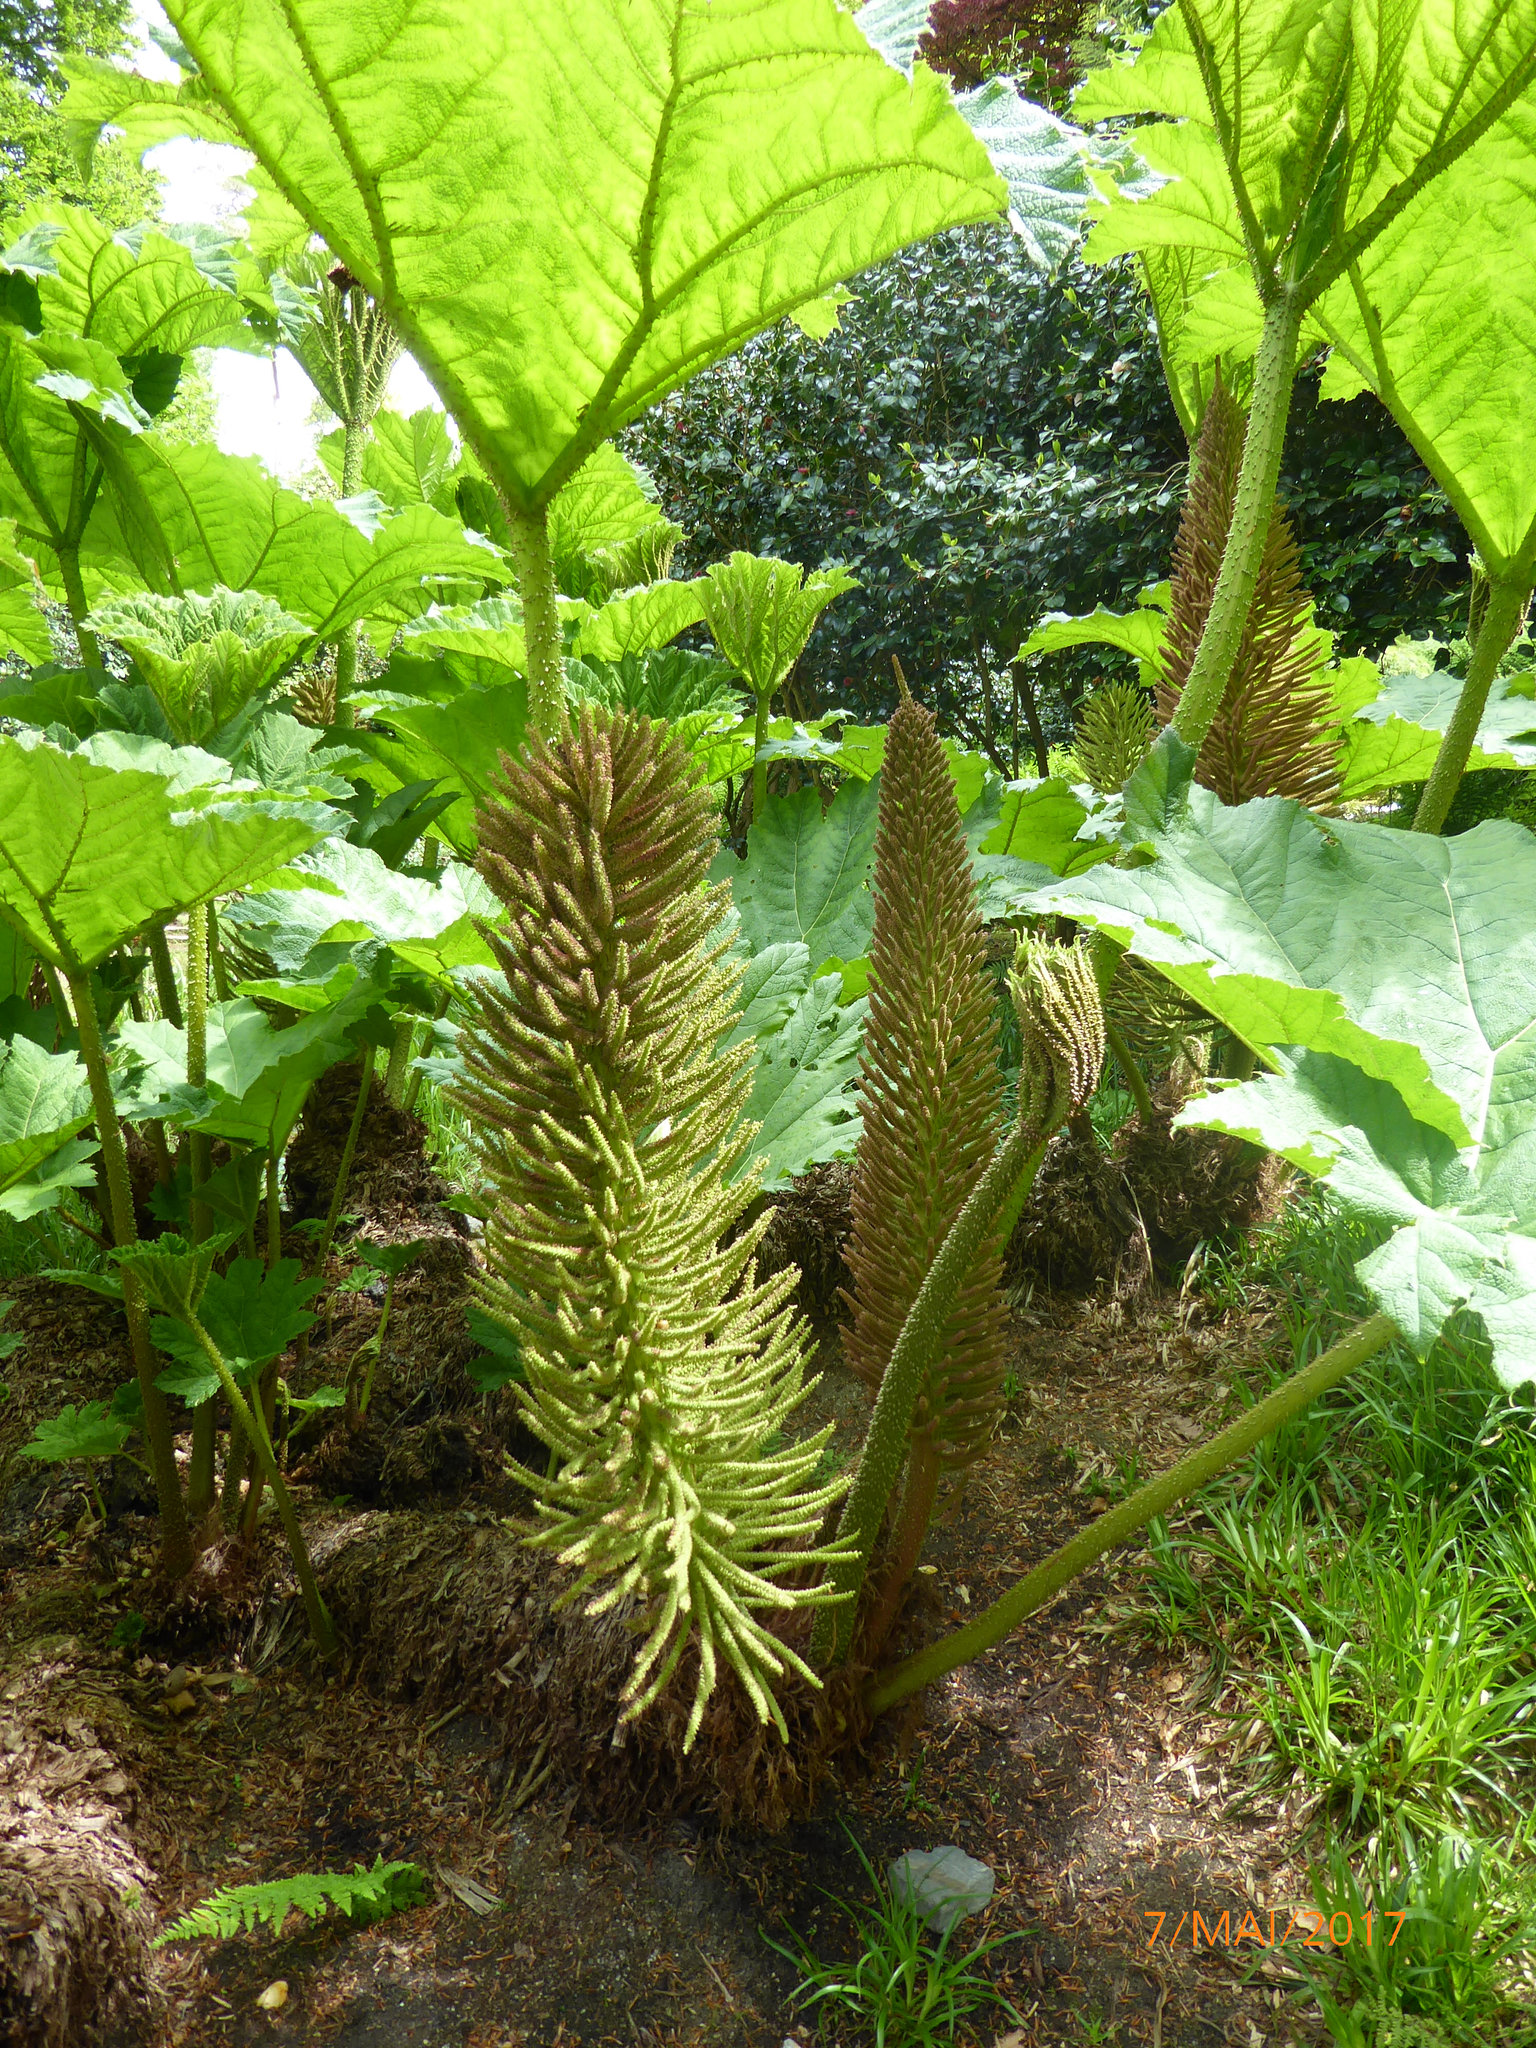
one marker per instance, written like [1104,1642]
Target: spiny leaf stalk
[659,1371]
[1271,734]
[1056,994]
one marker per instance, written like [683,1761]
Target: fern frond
[364,1895]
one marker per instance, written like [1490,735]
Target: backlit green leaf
[44,1099]
[407,461]
[1383,160]
[753,153]
[205,658]
[96,843]
[135,290]
[761,613]
[224,521]
[459,743]
[637,620]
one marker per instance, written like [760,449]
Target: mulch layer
[1102,1779]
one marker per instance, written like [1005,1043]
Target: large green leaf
[1462,1224]
[147,110]
[205,658]
[802,1094]
[71,1166]
[1381,160]
[1139,633]
[459,743]
[259,1076]
[761,613]
[772,983]
[144,289]
[222,520]
[89,1431]
[636,621]
[567,211]
[606,503]
[481,645]
[252,1313]
[44,1100]
[42,454]
[23,623]
[1049,824]
[806,875]
[408,461]
[674,683]
[1410,956]
[1020,834]
[119,310]
[98,842]
[347,893]
[1396,736]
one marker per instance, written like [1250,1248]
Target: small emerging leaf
[88,1431]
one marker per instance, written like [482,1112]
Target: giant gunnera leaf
[1296,930]
[803,1097]
[45,1100]
[806,876]
[341,893]
[1389,979]
[258,1076]
[568,209]
[1461,1224]
[116,313]
[221,520]
[1379,160]
[204,658]
[99,840]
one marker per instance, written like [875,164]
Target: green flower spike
[659,1370]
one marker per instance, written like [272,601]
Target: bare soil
[1100,1779]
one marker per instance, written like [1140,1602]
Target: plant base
[447,1615]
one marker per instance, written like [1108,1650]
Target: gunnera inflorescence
[660,1373]
[931,1092]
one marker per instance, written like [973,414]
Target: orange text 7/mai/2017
[1306,1927]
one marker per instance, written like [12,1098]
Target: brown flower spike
[931,1093]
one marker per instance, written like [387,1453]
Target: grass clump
[1369,1583]
[903,1987]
